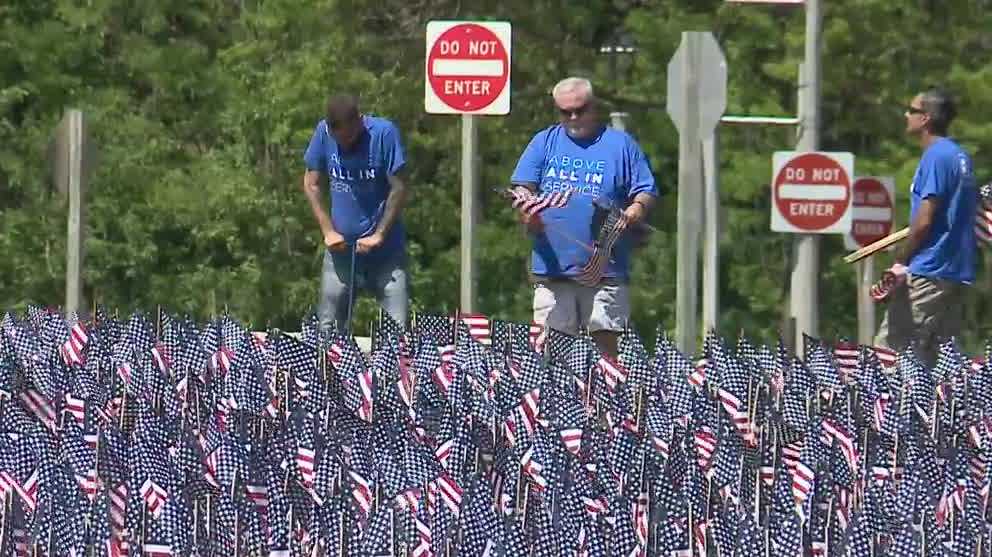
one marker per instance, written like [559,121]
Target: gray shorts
[565,305]
[922,313]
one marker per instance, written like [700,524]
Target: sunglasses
[913,110]
[578,112]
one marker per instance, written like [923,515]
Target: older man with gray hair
[595,166]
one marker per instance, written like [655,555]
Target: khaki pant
[922,313]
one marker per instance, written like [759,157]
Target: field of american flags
[475,436]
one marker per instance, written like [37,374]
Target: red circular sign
[874,221]
[812,192]
[468,67]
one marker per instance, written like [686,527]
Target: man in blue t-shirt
[598,167]
[937,261]
[362,157]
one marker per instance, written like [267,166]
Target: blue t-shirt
[358,180]
[608,169]
[945,172]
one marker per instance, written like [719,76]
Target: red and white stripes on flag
[592,272]
[705,446]
[843,507]
[698,375]
[306,463]
[405,383]
[221,360]
[802,482]
[572,438]
[451,492]
[846,354]
[662,445]
[161,356]
[533,469]
[528,410]
[641,522]
[444,375]
[737,411]
[365,384]
[613,372]
[72,349]
[156,550]
[38,405]
[76,408]
[886,356]
[117,544]
[790,455]
[529,204]
[479,327]
[983,216]
[845,440]
[361,492]
[89,483]
[424,538]
[28,490]
[443,452]
[155,497]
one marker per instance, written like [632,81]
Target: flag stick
[875,247]
[208,519]
[237,522]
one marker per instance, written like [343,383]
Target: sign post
[872,211]
[468,73]
[73,162]
[804,291]
[697,98]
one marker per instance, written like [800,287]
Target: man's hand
[369,243]
[898,269]
[334,241]
[631,215]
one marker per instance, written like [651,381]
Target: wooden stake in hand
[875,247]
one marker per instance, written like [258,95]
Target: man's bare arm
[645,199]
[395,203]
[312,189]
[333,240]
[919,229]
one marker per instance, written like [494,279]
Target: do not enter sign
[871,212]
[811,192]
[468,67]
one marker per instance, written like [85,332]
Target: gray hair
[569,84]
[940,106]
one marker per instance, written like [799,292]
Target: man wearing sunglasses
[362,157]
[596,166]
[937,261]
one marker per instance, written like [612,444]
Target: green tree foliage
[202,109]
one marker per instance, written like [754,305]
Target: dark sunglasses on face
[578,112]
[913,110]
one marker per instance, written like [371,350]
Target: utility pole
[805,273]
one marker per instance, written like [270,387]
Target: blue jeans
[384,277]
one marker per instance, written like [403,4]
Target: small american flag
[479,327]
[983,217]
[529,204]
[608,234]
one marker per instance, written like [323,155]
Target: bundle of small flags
[465,435]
